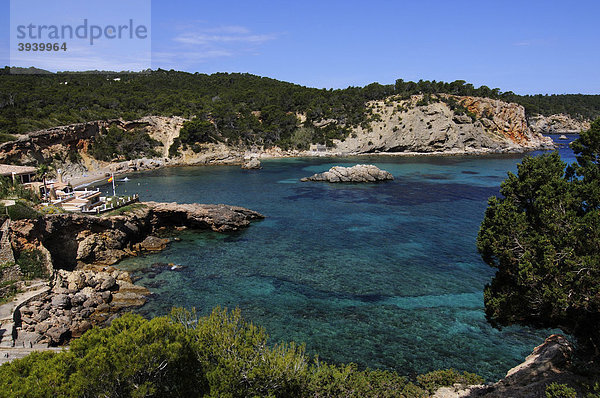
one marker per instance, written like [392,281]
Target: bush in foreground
[543,236]
[188,356]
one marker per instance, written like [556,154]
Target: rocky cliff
[59,144]
[550,362]
[58,141]
[78,250]
[421,124]
[446,124]
[71,241]
[559,124]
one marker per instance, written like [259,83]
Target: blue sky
[524,46]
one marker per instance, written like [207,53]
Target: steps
[8,331]
[6,252]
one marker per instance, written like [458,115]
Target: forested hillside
[241,108]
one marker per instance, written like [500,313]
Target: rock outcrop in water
[74,240]
[358,173]
[251,164]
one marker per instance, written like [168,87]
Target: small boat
[124,179]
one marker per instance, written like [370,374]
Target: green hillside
[242,108]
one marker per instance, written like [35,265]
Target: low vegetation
[183,355]
[31,263]
[124,209]
[116,144]
[15,190]
[21,210]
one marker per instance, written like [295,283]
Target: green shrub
[347,381]
[52,210]
[556,390]
[131,358]
[174,148]
[116,143]
[8,289]
[184,355]
[32,263]
[15,190]
[21,210]
[237,361]
[445,378]
[7,137]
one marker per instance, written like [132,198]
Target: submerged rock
[358,173]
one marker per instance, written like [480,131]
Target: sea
[385,275]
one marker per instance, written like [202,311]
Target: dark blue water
[386,275]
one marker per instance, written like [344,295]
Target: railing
[120,202]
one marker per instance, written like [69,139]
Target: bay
[385,275]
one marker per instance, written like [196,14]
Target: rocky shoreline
[398,127]
[77,301]
[78,251]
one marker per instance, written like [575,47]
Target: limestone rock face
[444,124]
[252,163]
[57,140]
[358,173]
[559,123]
[548,363]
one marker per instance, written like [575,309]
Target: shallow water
[386,275]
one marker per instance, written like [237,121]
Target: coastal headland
[436,125]
[78,252]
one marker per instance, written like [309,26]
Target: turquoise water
[386,275]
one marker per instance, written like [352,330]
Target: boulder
[548,363]
[58,334]
[252,163]
[78,299]
[42,315]
[61,301]
[76,280]
[152,243]
[108,283]
[80,328]
[42,327]
[358,173]
[462,119]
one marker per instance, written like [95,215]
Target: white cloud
[201,43]
[223,34]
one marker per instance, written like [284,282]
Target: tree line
[243,108]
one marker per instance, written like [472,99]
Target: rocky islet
[358,173]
